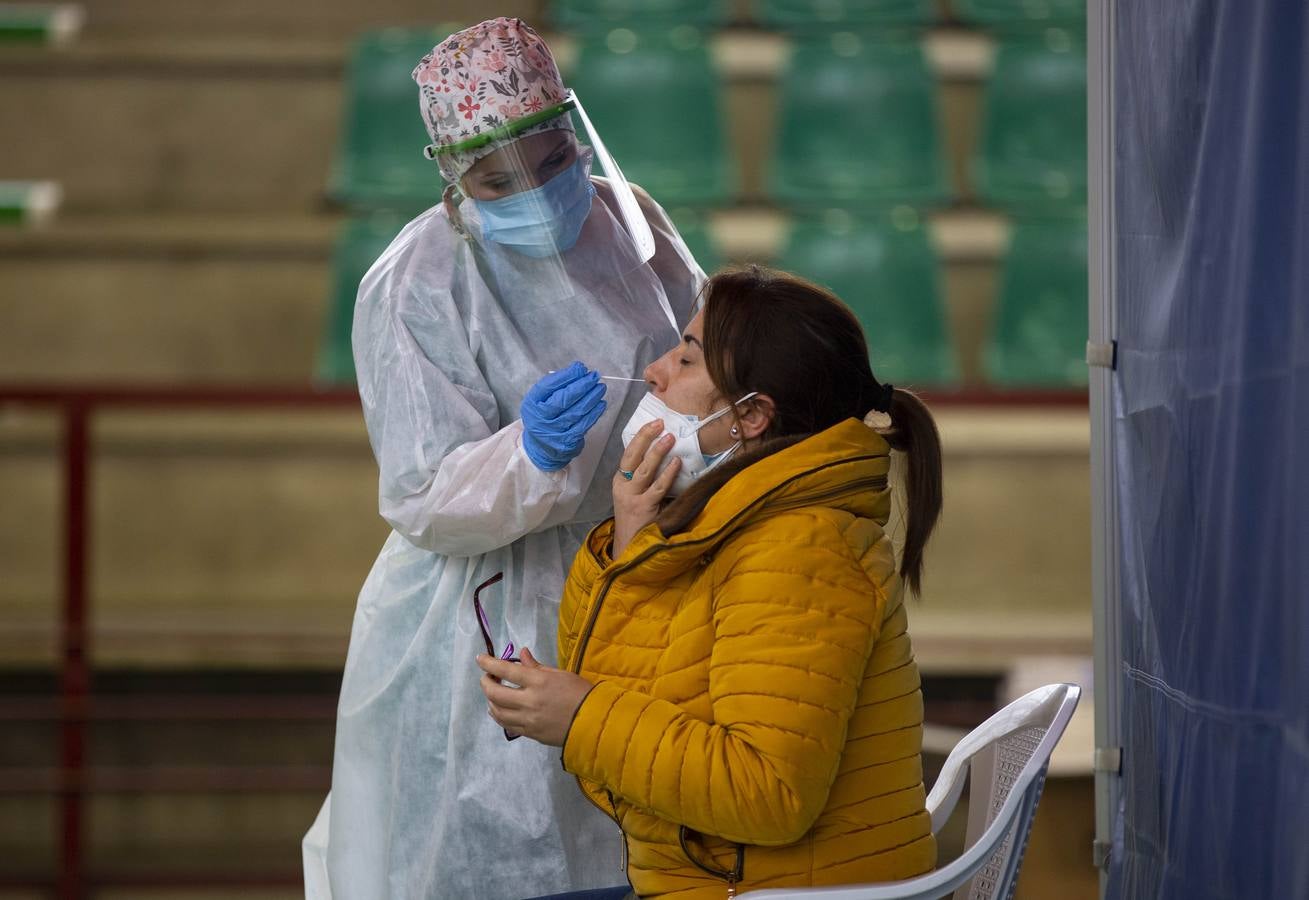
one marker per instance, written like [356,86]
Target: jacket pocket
[722,859]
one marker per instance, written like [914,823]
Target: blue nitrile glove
[557,413]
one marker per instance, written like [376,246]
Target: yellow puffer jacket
[756,719]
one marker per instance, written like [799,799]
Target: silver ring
[626,474]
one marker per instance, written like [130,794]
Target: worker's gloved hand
[557,412]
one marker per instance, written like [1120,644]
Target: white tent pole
[1101,355]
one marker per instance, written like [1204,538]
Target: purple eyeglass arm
[508,653]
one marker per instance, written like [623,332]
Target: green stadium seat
[1004,13]
[858,125]
[828,14]
[654,97]
[886,271]
[596,15]
[29,202]
[40,23]
[380,162]
[360,243]
[1039,335]
[694,227]
[1032,156]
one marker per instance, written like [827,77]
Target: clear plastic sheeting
[1211,436]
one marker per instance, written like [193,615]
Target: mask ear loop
[735,431]
[452,210]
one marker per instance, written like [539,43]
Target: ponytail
[913,432]
[799,344]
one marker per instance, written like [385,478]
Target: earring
[735,432]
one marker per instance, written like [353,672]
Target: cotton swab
[611,377]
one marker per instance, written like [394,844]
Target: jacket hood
[845,467]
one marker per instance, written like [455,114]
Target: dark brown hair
[796,342]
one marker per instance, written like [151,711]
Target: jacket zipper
[612,813]
[585,637]
[732,876]
[623,834]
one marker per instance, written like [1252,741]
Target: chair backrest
[1032,152]
[857,125]
[1006,757]
[885,269]
[379,162]
[828,14]
[1006,776]
[596,15]
[1038,335]
[655,98]
[361,241]
[1020,12]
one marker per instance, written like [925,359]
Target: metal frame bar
[73,780]
[93,399]
[75,677]
[27,780]
[171,708]
[1104,507]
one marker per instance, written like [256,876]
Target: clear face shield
[547,217]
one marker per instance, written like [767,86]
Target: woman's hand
[543,705]
[636,501]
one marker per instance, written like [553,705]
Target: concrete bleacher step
[245,126]
[176,298]
[211,534]
[223,298]
[242,539]
[212,121]
[331,19]
[195,242]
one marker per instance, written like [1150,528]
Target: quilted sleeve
[795,619]
[587,565]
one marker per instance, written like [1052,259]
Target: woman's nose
[654,374]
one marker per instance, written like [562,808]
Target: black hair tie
[882,403]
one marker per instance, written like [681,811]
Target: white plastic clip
[1109,759]
[1104,356]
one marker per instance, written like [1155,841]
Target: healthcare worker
[495,449]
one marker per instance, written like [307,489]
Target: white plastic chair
[1007,756]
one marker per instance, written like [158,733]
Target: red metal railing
[76,405]
[71,779]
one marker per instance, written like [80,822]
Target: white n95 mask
[685,430]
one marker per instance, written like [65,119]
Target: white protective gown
[428,799]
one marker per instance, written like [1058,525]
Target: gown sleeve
[453,478]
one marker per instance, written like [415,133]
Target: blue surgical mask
[713,459]
[544,220]
[710,459]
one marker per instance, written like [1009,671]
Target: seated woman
[739,691]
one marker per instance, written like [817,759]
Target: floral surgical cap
[481,79]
